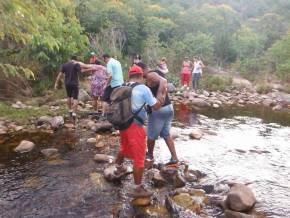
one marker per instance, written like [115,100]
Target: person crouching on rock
[133,139]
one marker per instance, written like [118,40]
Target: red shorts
[133,144]
[185,79]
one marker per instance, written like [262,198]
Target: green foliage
[214,83]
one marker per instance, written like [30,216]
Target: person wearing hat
[185,73]
[133,139]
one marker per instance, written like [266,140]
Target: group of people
[193,69]
[150,89]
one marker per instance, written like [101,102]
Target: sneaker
[140,192]
[149,157]
[172,163]
[120,171]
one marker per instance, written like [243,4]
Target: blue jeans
[195,79]
[159,122]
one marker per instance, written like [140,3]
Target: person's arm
[153,79]
[150,100]
[57,79]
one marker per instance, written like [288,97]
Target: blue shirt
[114,69]
[142,94]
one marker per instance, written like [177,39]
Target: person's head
[144,67]
[186,58]
[164,59]
[97,62]
[195,59]
[138,57]
[74,57]
[93,54]
[135,73]
[106,58]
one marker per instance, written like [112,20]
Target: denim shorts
[159,122]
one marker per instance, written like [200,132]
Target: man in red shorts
[133,139]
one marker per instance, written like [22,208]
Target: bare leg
[138,174]
[69,103]
[75,105]
[150,145]
[171,147]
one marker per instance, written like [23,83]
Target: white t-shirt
[197,67]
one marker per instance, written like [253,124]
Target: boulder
[186,201]
[100,145]
[234,214]
[141,201]
[18,128]
[49,152]
[178,181]
[24,146]
[196,134]
[84,96]
[43,119]
[102,127]
[90,124]
[199,102]
[157,178]
[277,108]
[103,158]
[240,198]
[109,173]
[18,105]
[268,102]
[56,122]
[92,141]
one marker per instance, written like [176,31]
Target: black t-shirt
[71,71]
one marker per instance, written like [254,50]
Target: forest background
[246,38]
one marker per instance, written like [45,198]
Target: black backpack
[120,110]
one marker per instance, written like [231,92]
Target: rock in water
[157,178]
[56,122]
[196,134]
[92,141]
[84,96]
[103,158]
[24,146]
[233,214]
[102,127]
[141,201]
[172,207]
[109,173]
[178,181]
[241,198]
[49,152]
[100,145]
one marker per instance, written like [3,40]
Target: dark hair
[136,76]
[97,62]
[138,57]
[106,56]
[74,57]
[142,65]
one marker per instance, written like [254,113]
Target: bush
[263,88]
[214,83]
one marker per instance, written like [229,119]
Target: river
[240,145]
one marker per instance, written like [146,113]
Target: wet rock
[92,141]
[206,187]
[186,201]
[189,175]
[24,146]
[234,214]
[110,176]
[100,145]
[141,201]
[178,181]
[49,152]
[3,130]
[103,158]
[84,96]
[172,207]
[205,93]
[102,127]
[240,198]
[157,178]
[196,134]
[57,122]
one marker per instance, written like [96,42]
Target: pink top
[185,67]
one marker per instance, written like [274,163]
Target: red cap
[135,70]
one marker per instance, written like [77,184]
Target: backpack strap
[135,115]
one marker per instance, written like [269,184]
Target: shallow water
[252,147]
[243,149]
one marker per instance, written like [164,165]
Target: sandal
[172,163]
